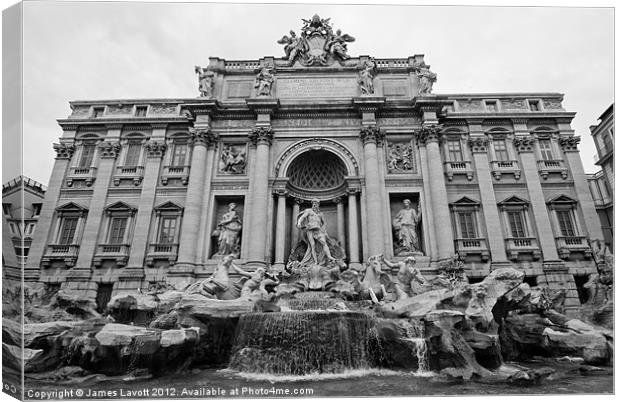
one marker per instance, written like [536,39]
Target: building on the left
[22,199]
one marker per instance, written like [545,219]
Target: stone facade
[139,187]
[602,182]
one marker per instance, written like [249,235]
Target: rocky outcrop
[201,307]
[141,308]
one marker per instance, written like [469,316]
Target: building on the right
[602,182]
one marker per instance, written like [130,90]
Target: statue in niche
[410,281]
[264,82]
[293,46]
[232,160]
[337,45]
[227,232]
[400,158]
[427,78]
[206,82]
[405,226]
[366,76]
[312,225]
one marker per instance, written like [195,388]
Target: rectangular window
[454,151]
[467,225]
[534,105]
[6,209]
[14,229]
[545,149]
[565,220]
[67,230]
[133,154]
[29,229]
[501,153]
[517,224]
[97,112]
[117,230]
[36,209]
[491,106]
[141,111]
[167,230]
[179,153]
[86,157]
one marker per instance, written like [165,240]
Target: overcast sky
[148,50]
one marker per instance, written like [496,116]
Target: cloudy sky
[113,50]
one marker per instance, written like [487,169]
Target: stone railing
[243,65]
[476,246]
[134,173]
[175,172]
[87,174]
[162,251]
[452,168]
[526,245]
[60,252]
[568,244]
[505,167]
[116,252]
[545,167]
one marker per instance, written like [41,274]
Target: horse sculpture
[373,285]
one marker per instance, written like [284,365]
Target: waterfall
[304,342]
[420,349]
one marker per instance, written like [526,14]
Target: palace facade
[140,188]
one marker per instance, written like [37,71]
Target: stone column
[280,227]
[354,245]
[294,228]
[204,238]
[261,138]
[428,224]
[155,150]
[590,217]
[64,152]
[370,135]
[495,237]
[108,151]
[202,138]
[524,144]
[340,221]
[429,136]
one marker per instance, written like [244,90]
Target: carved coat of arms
[317,45]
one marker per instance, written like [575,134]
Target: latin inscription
[327,87]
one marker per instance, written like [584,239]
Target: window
[517,224]
[36,209]
[134,149]
[86,157]
[534,105]
[167,231]
[565,221]
[117,230]
[491,106]
[455,153]
[98,112]
[545,149]
[6,209]
[141,111]
[14,229]
[467,225]
[179,154]
[607,143]
[67,230]
[29,229]
[501,153]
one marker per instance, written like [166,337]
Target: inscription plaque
[327,87]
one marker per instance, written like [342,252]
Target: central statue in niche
[312,224]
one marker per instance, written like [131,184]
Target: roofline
[606,112]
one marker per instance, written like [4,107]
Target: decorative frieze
[478,144]
[524,144]
[371,134]
[569,144]
[64,151]
[261,135]
[203,136]
[109,149]
[155,149]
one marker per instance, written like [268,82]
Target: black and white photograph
[209,200]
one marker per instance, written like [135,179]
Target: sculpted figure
[406,227]
[410,280]
[337,46]
[232,161]
[218,285]
[311,223]
[228,230]
[365,78]
[206,82]
[427,78]
[293,46]
[264,82]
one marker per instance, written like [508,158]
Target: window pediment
[121,208]
[169,206]
[514,202]
[72,207]
[561,201]
[465,203]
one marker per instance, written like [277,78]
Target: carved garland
[314,143]
[64,151]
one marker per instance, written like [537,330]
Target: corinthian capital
[428,133]
[371,134]
[64,151]
[203,136]
[478,144]
[261,135]
[569,144]
[155,149]
[109,149]
[524,143]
